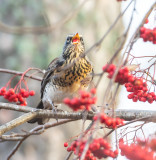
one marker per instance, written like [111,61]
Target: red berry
[140,92]
[111,68]
[152,144]
[11,91]
[138,82]
[135,99]
[66,101]
[93,91]
[106,152]
[25,94]
[15,100]
[145,94]
[84,102]
[20,99]
[130,96]
[65,144]
[22,90]
[146,21]
[3,90]
[143,99]
[32,93]
[149,96]
[116,152]
[69,149]
[108,122]
[104,68]
[131,79]
[145,89]
[152,94]
[103,117]
[5,96]
[129,89]
[119,121]
[150,100]
[142,29]
[24,103]
[154,97]
[74,101]
[95,118]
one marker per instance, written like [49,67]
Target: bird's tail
[38,120]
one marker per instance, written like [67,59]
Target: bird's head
[74,46]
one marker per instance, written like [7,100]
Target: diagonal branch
[16,122]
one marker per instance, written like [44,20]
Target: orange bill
[76,38]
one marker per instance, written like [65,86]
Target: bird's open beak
[76,39]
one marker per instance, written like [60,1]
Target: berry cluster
[18,97]
[152,144]
[17,94]
[122,76]
[133,84]
[139,91]
[108,121]
[99,148]
[85,100]
[148,143]
[141,152]
[148,34]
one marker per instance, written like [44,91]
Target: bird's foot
[53,108]
[55,111]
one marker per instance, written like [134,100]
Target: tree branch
[16,122]
[20,74]
[127,115]
[35,131]
[32,131]
[41,29]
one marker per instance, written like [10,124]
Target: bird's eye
[68,40]
[81,39]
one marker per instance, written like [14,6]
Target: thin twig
[69,155]
[46,126]
[8,71]
[16,147]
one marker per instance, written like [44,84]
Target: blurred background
[50,22]
[20,50]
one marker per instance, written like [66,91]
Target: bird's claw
[54,110]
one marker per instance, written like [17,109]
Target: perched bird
[65,76]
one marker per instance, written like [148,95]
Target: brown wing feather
[49,72]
